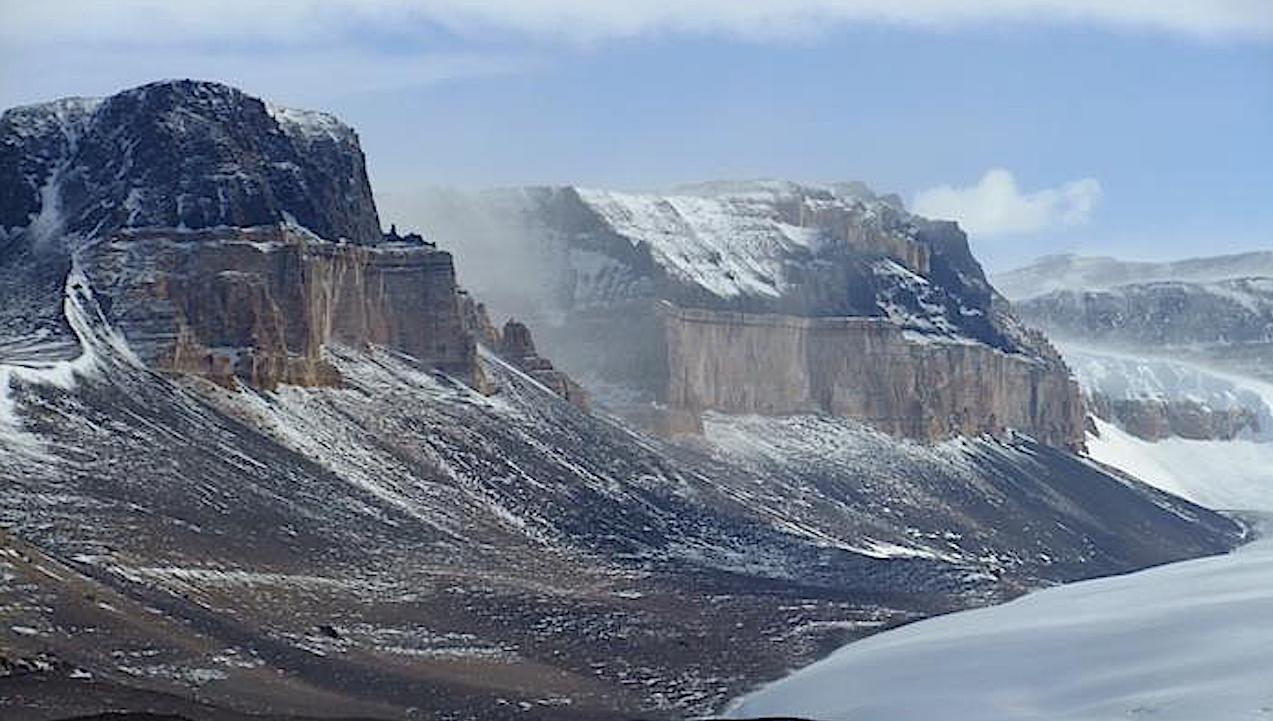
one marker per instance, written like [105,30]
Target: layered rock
[261,304]
[765,297]
[225,237]
[1156,419]
[1179,349]
[864,368]
[1215,312]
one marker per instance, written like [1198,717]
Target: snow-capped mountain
[763,297]
[259,458]
[1174,360]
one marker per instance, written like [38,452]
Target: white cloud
[996,206]
[150,20]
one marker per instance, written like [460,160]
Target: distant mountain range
[1076,272]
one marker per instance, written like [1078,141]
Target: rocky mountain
[764,297]
[259,458]
[1154,343]
[1078,272]
[1161,314]
[232,238]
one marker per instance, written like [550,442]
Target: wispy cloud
[996,206]
[587,20]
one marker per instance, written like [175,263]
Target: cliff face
[225,237]
[770,298]
[863,368]
[1154,419]
[261,304]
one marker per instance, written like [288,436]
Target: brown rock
[865,368]
[259,305]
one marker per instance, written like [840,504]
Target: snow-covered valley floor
[1190,641]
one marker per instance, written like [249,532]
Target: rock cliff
[1155,419]
[865,368]
[261,304]
[764,297]
[226,237]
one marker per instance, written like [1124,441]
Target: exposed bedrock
[763,297]
[1155,419]
[260,304]
[864,368]
[225,237]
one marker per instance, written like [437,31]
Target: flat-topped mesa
[765,297]
[227,237]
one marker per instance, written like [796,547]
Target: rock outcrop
[865,368]
[765,297]
[260,304]
[1156,419]
[182,154]
[517,346]
[225,237]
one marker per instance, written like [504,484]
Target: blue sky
[1136,129]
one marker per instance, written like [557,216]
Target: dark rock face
[746,297]
[1160,314]
[184,154]
[230,239]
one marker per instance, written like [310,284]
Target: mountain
[763,297]
[259,457]
[1076,272]
[1174,360]
[1193,323]
[1162,314]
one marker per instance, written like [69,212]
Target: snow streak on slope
[1184,642]
[730,245]
[93,333]
[1227,475]
[974,502]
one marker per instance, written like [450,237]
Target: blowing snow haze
[440,360]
